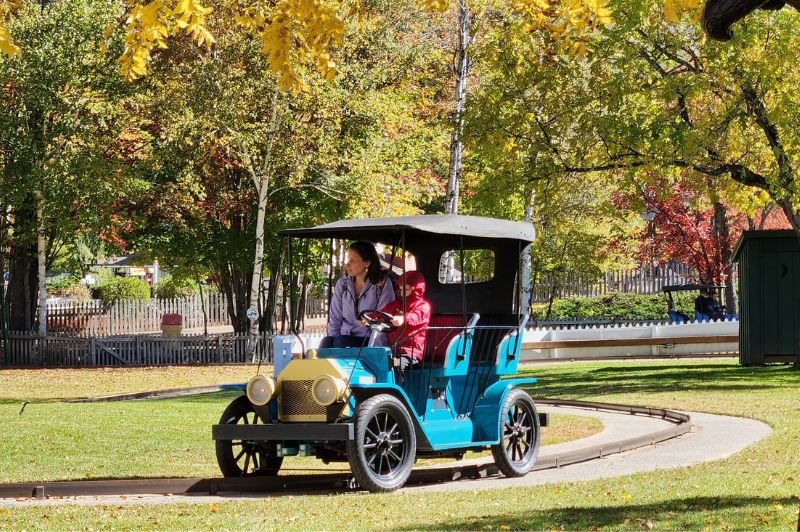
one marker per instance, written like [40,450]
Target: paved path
[712,438]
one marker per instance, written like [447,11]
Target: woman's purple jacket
[343,314]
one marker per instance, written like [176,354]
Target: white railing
[631,340]
[621,340]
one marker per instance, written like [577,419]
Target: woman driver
[364,287]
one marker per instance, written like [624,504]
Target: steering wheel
[377,318]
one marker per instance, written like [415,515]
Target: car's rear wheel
[519,435]
[238,458]
[385,446]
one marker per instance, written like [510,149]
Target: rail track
[342,481]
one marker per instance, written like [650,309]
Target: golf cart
[706,306]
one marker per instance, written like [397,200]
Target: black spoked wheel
[237,458]
[519,425]
[385,446]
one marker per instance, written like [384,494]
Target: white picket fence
[539,343]
[30,350]
[94,318]
[639,281]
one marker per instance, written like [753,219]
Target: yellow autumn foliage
[675,9]
[435,5]
[149,25]
[568,21]
[296,32]
[7,46]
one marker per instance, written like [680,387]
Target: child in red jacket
[411,326]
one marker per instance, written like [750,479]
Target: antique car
[345,404]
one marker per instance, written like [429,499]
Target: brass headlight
[326,390]
[260,390]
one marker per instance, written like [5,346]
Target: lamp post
[648,216]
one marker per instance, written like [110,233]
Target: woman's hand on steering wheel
[375,317]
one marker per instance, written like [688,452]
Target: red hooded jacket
[417,316]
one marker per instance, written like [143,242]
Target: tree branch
[757,108]
[670,55]
[331,193]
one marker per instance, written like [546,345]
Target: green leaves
[59,121]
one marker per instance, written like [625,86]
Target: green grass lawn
[757,488]
[68,441]
[54,440]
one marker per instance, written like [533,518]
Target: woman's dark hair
[367,252]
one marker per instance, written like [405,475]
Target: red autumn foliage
[113,234]
[682,233]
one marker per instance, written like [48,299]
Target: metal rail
[336,482]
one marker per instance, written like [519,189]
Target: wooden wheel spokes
[249,458]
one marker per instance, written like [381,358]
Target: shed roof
[752,235]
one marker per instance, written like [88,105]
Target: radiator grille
[296,400]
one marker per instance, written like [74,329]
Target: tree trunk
[3,305]
[462,72]
[41,258]
[21,292]
[261,183]
[300,316]
[722,231]
[269,307]
[788,211]
[762,219]
[456,144]
[202,307]
[525,273]
[231,283]
[258,267]
[554,286]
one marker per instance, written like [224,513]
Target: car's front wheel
[385,445]
[238,458]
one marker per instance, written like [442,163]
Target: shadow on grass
[577,381]
[677,511]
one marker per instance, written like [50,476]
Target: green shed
[769,296]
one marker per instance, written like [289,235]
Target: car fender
[486,415]
[362,392]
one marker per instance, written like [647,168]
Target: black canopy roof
[442,224]
[428,237]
